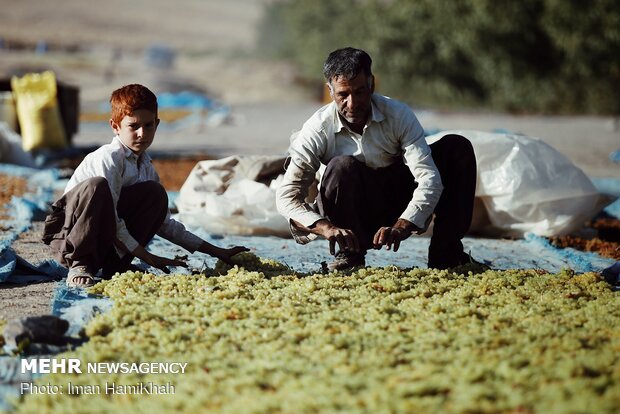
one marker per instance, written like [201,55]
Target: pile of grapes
[376,340]
[249,261]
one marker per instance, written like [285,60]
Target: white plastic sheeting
[11,151]
[526,186]
[234,195]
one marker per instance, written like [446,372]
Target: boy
[113,205]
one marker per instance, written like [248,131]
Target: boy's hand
[162,262]
[220,252]
[158,262]
[226,255]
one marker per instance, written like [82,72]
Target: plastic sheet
[527,186]
[532,252]
[610,187]
[22,210]
[234,195]
[11,151]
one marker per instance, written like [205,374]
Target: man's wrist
[406,226]
[319,226]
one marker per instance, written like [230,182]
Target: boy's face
[137,130]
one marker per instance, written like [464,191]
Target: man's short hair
[130,98]
[347,63]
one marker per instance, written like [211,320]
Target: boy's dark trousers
[362,199]
[81,228]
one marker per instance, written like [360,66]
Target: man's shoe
[473,265]
[464,260]
[346,260]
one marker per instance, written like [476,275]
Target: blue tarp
[532,252]
[610,186]
[186,99]
[22,210]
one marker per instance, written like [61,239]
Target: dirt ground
[18,300]
[99,46]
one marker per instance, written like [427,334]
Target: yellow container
[38,112]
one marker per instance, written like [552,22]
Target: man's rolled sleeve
[292,193]
[425,196]
[417,155]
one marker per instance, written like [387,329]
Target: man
[382,181]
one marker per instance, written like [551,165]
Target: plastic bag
[38,112]
[11,151]
[234,195]
[526,186]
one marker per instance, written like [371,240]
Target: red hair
[130,98]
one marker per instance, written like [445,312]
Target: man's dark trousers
[362,199]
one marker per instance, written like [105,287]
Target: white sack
[526,186]
[233,195]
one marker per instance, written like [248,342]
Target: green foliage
[554,56]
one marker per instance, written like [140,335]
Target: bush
[550,56]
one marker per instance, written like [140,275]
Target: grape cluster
[376,340]
[250,262]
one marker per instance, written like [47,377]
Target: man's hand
[390,237]
[346,239]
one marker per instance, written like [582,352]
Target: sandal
[80,277]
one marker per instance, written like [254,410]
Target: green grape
[375,340]
[250,262]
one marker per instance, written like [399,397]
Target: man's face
[137,130]
[352,98]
